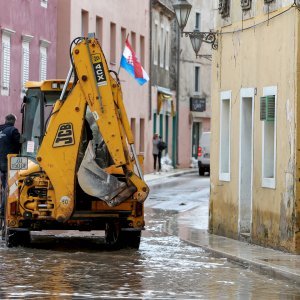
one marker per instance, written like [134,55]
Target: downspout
[150,61]
[177,93]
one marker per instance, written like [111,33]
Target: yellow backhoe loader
[78,169]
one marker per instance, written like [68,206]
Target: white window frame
[269,182]
[199,27]
[167,62]
[5,61]
[25,61]
[224,176]
[155,44]
[161,46]
[44,3]
[199,77]
[44,44]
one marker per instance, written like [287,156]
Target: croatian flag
[130,63]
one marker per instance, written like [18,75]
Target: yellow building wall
[261,56]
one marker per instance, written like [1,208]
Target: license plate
[18,163]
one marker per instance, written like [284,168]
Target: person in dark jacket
[156,152]
[9,144]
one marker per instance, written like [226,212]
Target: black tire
[116,239]
[131,239]
[15,238]
[112,232]
[2,222]
[201,171]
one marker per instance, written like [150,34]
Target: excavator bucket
[94,181]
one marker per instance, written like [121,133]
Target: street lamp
[182,10]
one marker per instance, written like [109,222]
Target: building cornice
[45,43]
[26,38]
[163,8]
[7,31]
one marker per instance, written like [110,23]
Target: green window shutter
[154,123]
[267,108]
[263,108]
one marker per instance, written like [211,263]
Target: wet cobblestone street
[163,268]
[70,266]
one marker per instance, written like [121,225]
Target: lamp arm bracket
[207,37]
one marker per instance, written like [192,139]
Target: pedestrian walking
[9,144]
[156,152]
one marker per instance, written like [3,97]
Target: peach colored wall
[185,136]
[261,56]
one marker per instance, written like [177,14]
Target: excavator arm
[58,156]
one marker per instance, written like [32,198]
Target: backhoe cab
[78,168]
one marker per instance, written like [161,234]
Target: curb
[252,265]
[157,181]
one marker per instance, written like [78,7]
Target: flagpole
[122,54]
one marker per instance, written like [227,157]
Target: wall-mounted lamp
[182,10]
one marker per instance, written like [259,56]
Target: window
[123,39]
[198,21]
[43,59]
[161,47]
[269,137]
[224,167]
[161,125]
[5,61]
[246,4]
[197,80]
[167,50]
[133,41]
[166,137]
[155,44]
[112,43]
[84,23]
[142,135]
[224,8]
[154,122]
[44,3]
[142,50]
[132,126]
[25,61]
[99,29]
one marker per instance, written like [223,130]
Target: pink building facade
[112,22]
[28,35]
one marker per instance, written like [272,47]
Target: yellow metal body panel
[59,163]
[46,85]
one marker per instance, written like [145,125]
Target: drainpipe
[175,164]
[150,61]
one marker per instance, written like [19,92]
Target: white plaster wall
[188,61]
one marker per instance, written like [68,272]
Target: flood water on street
[65,267]
[163,268]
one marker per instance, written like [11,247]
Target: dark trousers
[3,192]
[3,179]
[155,158]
